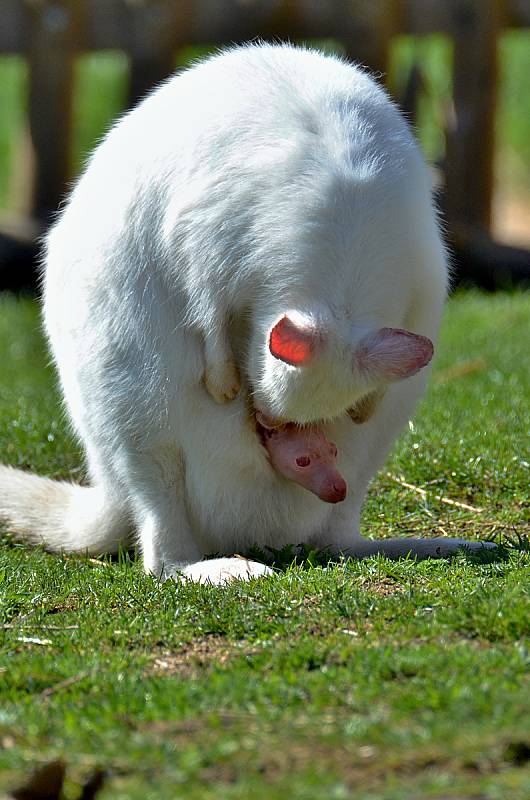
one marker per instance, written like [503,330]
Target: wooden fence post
[55,26]
[374,23]
[157,29]
[475,25]
[364,27]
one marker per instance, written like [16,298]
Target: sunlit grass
[377,679]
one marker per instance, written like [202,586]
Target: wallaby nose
[340,487]
[335,491]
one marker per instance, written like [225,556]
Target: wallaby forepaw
[223,383]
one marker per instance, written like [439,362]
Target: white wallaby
[241,296]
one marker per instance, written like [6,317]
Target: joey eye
[303,461]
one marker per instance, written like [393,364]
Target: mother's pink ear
[391,354]
[293,340]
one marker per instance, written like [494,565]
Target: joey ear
[391,354]
[293,341]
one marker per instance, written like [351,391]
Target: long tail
[61,516]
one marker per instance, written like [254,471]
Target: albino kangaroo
[241,296]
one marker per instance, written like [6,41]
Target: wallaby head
[310,366]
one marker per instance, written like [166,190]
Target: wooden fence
[51,33]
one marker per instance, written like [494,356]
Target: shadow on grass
[304,555]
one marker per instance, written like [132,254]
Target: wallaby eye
[303,461]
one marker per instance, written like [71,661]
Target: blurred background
[459,69]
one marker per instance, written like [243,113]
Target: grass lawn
[373,680]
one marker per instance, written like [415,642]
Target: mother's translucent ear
[391,354]
[294,340]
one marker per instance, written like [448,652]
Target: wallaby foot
[217,571]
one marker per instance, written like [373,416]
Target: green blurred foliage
[101,90]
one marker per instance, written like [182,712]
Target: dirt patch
[194,657]
[383,587]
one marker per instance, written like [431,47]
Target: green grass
[100,96]
[377,680]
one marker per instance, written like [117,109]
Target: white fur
[265,179]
